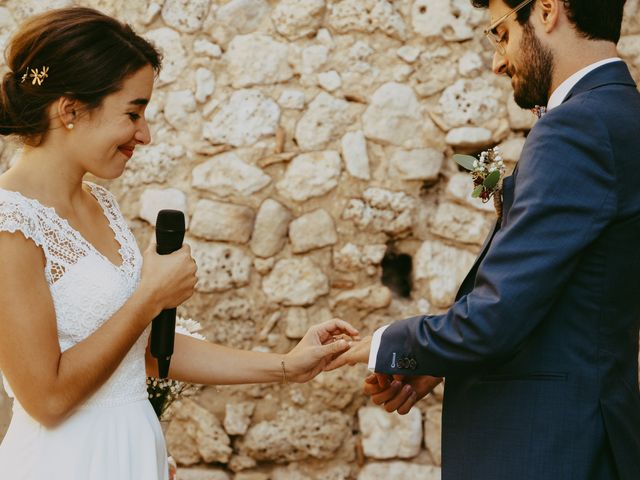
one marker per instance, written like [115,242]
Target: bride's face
[107,136]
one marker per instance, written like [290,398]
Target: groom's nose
[499,65]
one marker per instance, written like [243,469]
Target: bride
[77,295]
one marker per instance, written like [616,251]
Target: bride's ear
[67,111]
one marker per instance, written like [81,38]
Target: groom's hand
[358,353]
[398,392]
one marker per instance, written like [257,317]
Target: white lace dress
[115,435]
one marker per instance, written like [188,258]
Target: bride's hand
[319,346]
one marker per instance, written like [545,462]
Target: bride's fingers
[332,327]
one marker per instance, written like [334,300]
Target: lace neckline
[94,192]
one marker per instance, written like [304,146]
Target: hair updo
[88,55]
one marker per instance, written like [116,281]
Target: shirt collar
[560,93]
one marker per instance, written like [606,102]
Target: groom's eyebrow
[139,101]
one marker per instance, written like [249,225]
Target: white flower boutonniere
[487,173]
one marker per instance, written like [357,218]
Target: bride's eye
[133,116]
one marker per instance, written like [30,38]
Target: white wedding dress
[115,434]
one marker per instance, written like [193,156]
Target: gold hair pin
[37,75]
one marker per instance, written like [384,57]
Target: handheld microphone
[169,235]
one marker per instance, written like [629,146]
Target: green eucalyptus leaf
[465,161]
[477,191]
[492,180]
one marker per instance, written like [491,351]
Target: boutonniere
[487,172]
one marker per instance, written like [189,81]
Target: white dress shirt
[556,98]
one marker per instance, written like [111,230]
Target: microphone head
[170,220]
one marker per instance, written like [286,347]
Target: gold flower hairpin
[37,75]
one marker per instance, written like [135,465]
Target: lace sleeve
[16,217]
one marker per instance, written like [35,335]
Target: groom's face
[525,60]
[532,72]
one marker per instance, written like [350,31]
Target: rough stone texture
[227,174]
[387,435]
[330,80]
[153,164]
[351,258]
[442,268]
[364,299]
[381,210]
[469,137]
[296,435]
[155,199]
[195,435]
[293,99]
[295,281]
[294,19]
[247,116]
[460,224]
[432,18]
[257,59]
[324,118]
[174,60]
[185,15]
[422,164]
[310,175]
[512,148]
[394,116]
[469,102]
[243,15]
[205,84]
[202,474]
[220,266]
[399,471]
[238,417]
[366,16]
[270,229]
[205,47]
[297,321]
[224,222]
[312,230]
[178,107]
[354,152]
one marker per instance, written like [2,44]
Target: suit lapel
[507,199]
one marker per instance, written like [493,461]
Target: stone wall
[310,144]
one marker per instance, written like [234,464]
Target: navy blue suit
[540,349]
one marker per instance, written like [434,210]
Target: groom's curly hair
[594,19]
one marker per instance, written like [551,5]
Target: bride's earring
[70,126]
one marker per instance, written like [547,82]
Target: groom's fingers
[387,394]
[404,395]
[410,402]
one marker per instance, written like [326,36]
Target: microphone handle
[164,325]
[163,336]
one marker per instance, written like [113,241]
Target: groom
[540,349]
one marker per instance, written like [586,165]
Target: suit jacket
[540,349]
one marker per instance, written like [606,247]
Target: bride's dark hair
[87,54]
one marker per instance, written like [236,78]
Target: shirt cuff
[375,346]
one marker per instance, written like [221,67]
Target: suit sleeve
[564,198]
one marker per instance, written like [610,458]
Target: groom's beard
[532,84]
